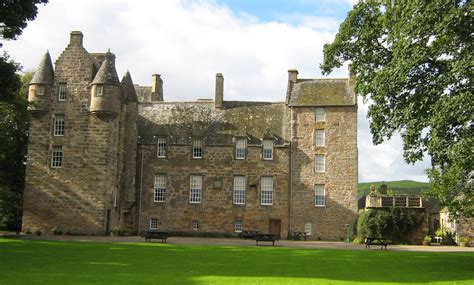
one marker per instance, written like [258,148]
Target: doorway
[275,228]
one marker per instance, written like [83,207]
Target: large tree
[414,64]
[14,15]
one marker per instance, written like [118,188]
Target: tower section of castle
[75,162]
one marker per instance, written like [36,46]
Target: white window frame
[267,151]
[58,125]
[57,157]
[153,224]
[159,194]
[266,190]
[195,225]
[238,226]
[195,189]
[308,228]
[99,90]
[319,195]
[40,90]
[62,94]
[197,148]
[161,144]
[320,137]
[239,190]
[320,114]
[319,163]
[240,148]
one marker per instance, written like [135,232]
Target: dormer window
[161,148]
[267,149]
[320,115]
[40,90]
[240,145]
[99,90]
[197,148]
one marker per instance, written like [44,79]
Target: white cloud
[187,42]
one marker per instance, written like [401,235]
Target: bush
[357,240]
[393,223]
[439,233]
[427,239]
[464,239]
[449,239]
[57,231]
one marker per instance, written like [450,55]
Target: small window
[160,188]
[238,226]
[320,163]
[40,90]
[161,148]
[239,190]
[57,157]
[99,90]
[62,92]
[308,228]
[240,145]
[319,138]
[266,188]
[195,225]
[320,114]
[319,195]
[267,149]
[58,125]
[195,189]
[153,223]
[197,148]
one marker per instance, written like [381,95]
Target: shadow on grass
[48,262]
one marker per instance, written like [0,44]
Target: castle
[106,153]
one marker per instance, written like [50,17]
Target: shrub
[116,231]
[464,239]
[427,239]
[393,223]
[449,239]
[439,233]
[57,231]
[357,240]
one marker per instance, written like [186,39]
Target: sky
[253,43]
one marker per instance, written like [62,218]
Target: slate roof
[129,92]
[182,121]
[44,72]
[322,92]
[107,73]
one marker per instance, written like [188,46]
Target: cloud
[187,42]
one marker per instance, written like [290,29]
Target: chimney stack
[76,39]
[156,88]
[219,100]
[292,75]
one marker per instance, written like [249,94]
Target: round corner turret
[39,91]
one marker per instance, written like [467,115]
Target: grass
[398,187]
[55,262]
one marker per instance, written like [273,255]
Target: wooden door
[275,228]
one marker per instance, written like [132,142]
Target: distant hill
[398,187]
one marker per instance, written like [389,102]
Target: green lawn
[48,262]
[398,187]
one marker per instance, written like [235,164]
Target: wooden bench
[265,237]
[383,242]
[248,234]
[153,234]
[299,235]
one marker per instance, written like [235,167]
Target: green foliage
[414,61]
[358,240]
[464,239]
[393,223]
[398,187]
[427,239]
[14,15]
[449,239]
[13,137]
[439,233]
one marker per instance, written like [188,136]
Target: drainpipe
[290,165]
[141,187]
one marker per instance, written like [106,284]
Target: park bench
[299,235]
[153,234]
[248,234]
[265,237]
[383,242]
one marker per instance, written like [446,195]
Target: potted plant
[115,232]
[464,241]
[427,240]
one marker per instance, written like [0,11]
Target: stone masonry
[126,156]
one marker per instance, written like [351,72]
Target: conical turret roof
[128,88]
[107,73]
[44,72]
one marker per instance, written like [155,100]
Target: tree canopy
[14,15]
[414,64]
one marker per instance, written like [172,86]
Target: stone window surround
[195,188]
[161,147]
[320,137]
[99,90]
[159,195]
[267,149]
[62,93]
[308,228]
[58,125]
[319,195]
[238,227]
[39,90]
[57,156]
[240,148]
[320,163]
[239,190]
[197,147]
[195,225]
[320,114]
[153,225]
[266,195]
